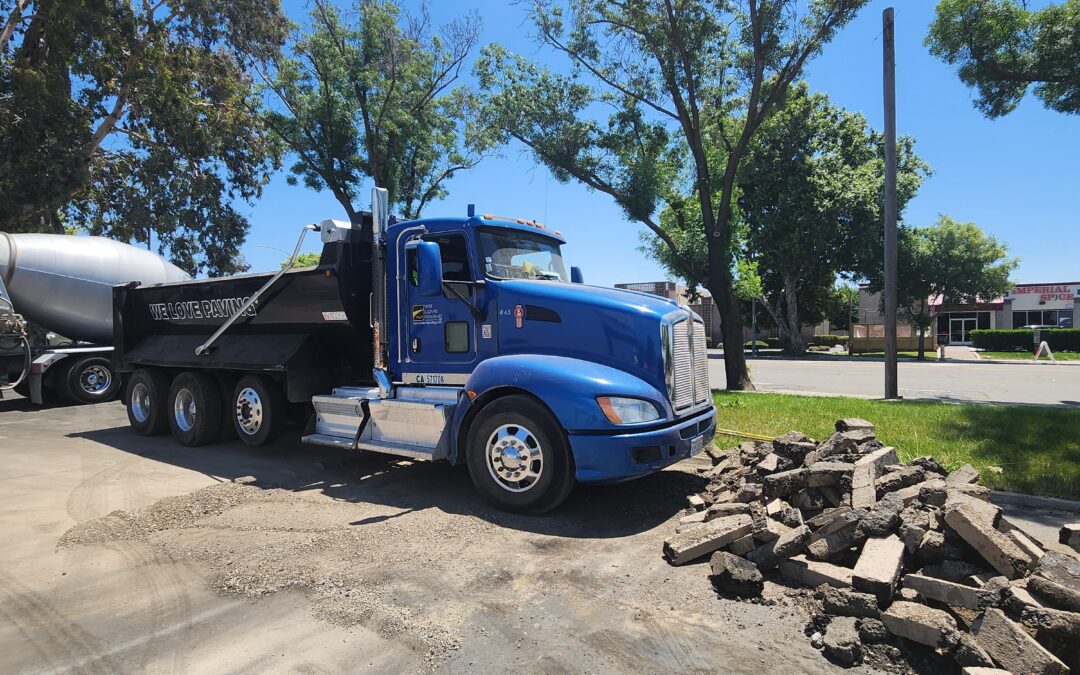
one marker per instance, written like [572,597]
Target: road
[332,562]
[1025,383]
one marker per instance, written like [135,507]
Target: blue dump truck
[456,339]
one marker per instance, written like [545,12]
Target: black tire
[23,388]
[194,409]
[258,410]
[91,380]
[525,427]
[147,395]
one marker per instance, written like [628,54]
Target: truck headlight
[622,410]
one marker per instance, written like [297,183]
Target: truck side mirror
[429,268]
[576,277]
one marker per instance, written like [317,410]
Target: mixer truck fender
[80,374]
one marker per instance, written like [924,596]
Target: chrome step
[398,449]
[414,424]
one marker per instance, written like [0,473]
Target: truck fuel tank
[64,282]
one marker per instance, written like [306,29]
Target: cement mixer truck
[56,312]
[458,339]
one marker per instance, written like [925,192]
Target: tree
[687,84]
[844,309]
[368,97]
[1003,48]
[951,262]
[124,118]
[810,195]
[309,259]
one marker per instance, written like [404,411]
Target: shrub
[761,344]
[774,343]
[829,340]
[1020,340]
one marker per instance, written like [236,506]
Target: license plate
[696,444]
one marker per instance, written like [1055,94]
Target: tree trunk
[796,343]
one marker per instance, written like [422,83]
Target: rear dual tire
[195,409]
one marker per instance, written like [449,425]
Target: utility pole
[891,387]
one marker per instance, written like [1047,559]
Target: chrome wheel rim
[184,410]
[95,380]
[140,402]
[249,411]
[515,459]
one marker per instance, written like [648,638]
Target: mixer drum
[64,282]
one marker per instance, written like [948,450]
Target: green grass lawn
[1037,449]
[1026,356]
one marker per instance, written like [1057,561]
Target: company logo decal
[519,316]
[199,309]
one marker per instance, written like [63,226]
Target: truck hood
[614,327]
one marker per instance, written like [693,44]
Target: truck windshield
[509,254]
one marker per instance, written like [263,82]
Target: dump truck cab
[466,340]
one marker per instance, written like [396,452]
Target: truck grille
[689,364]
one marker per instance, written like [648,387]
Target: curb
[1034,502]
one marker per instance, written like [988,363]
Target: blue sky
[1017,177]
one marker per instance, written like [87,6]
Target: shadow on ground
[590,512]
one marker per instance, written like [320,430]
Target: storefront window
[1046,317]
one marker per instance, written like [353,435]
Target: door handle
[416,345]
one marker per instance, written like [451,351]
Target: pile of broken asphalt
[906,561]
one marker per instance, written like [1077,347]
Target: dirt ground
[126,554]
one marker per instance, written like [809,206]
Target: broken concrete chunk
[883,518]
[825,517]
[1070,536]
[1026,544]
[878,568]
[842,602]
[1016,598]
[1011,647]
[698,517]
[749,492]
[994,547]
[1058,623]
[872,631]
[1054,593]
[835,544]
[951,593]
[902,477]
[734,575]
[784,483]
[829,473]
[922,624]
[981,670]
[703,540]
[952,570]
[842,644]
[791,517]
[839,443]
[852,424]
[911,493]
[726,509]
[788,544]
[867,470]
[793,445]
[811,573]
[968,653]
[930,464]
[696,502]
[980,492]
[771,463]
[742,546]
[1061,569]
[965,474]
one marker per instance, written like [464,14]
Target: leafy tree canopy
[810,195]
[1003,48]
[309,259]
[366,95]
[125,117]
[658,106]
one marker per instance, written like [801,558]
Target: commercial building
[1042,304]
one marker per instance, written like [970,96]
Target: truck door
[441,347]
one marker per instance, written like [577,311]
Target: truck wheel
[194,409]
[147,396]
[518,456]
[258,410]
[92,380]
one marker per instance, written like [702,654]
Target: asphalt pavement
[960,381]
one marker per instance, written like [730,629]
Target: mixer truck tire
[147,394]
[91,380]
[518,457]
[194,409]
[258,410]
